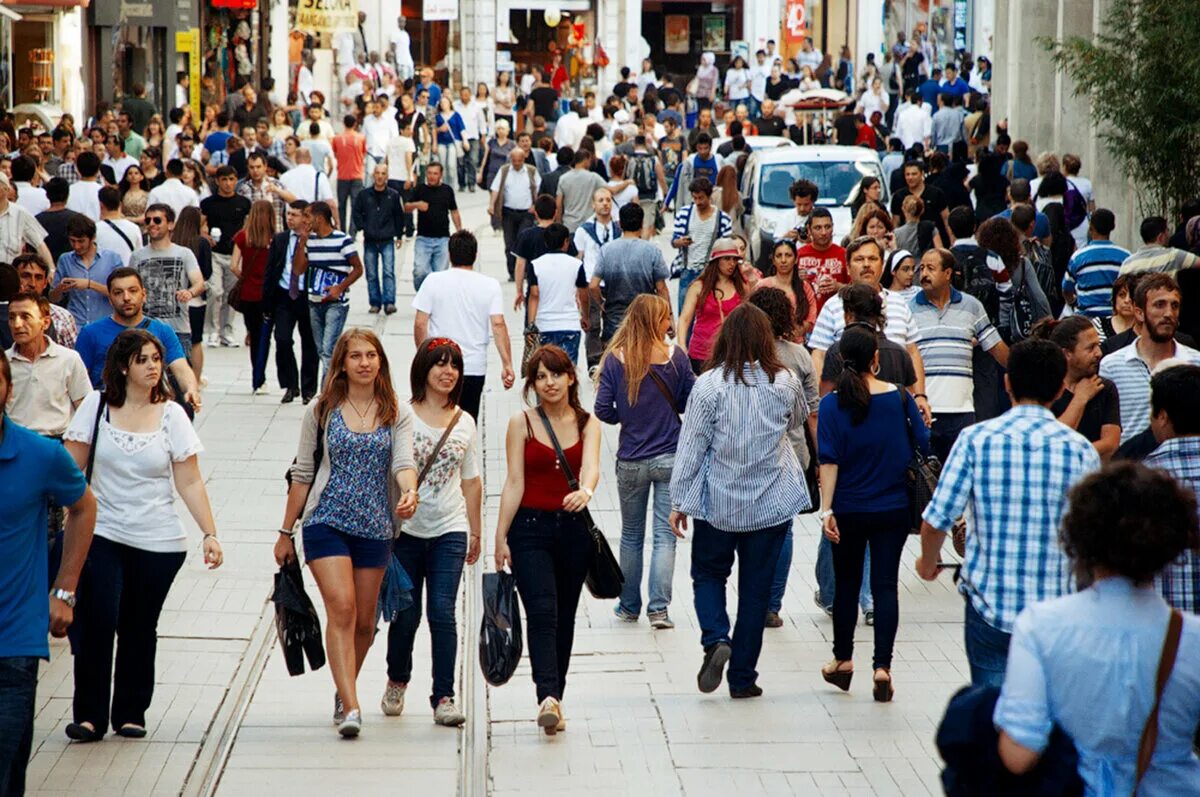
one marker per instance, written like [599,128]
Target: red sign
[796,21]
[247,4]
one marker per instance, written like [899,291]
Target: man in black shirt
[248,113]
[1089,404]
[543,100]
[565,158]
[55,218]
[531,241]
[226,213]
[934,200]
[769,124]
[435,204]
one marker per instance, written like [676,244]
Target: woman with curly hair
[1017,278]
[1089,662]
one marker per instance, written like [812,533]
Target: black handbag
[920,474]
[604,577]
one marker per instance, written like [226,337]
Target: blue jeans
[373,251]
[987,649]
[712,563]
[18,689]
[429,255]
[635,479]
[437,564]
[827,583]
[685,280]
[568,342]
[779,583]
[328,319]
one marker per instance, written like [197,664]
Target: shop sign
[326,16]
[714,33]
[796,21]
[441,10]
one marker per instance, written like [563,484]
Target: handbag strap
[572,482]
[666,391]
[91,458]
[437,449]
[912,436]
[1166,663]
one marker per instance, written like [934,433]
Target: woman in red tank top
[540,533]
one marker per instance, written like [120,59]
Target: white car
[757,142]
[768,178]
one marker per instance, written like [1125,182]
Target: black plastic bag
[500,642]
[296,621]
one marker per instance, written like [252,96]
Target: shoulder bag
[920,474]
[318,455]
[604,577]
[91,458]
[437,449]
[1166,662]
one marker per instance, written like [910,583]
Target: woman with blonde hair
[644,386]
[354,470]
[249,265]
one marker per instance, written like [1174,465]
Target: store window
[141,57]
[33,60]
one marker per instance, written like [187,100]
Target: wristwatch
[824,513]
[64,596]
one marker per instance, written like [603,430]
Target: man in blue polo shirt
[26,614]
[127,295]
[953,84]
[949,326]
[1092,270]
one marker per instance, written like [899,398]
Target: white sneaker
[352,725]
[447,713]
[549,715]
[339,711]
[393,699]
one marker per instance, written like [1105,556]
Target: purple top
[650,428]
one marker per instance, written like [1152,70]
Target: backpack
[972,276]
[644,176]
[1027,307]
[1074,207]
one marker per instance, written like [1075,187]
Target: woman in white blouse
[138,449]
[737,81]
[874,99]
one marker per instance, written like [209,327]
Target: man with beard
[1156,309]
[1089,403]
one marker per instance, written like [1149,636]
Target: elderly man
[18,226]
[513,190]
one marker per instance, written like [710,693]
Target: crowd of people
[981,319]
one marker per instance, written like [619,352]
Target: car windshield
[838,181]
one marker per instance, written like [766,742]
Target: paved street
[227,719]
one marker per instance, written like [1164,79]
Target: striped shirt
[946,339]
[682,229]
[1165,259]
[1131,374]
[328,256]
[734,466]
[899,326]
[1090,275]
[1012,473]
[1179,581]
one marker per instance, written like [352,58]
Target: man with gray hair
[513,190]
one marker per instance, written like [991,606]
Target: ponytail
[857,347]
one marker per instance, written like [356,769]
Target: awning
[46,3]
[13,15]
[549,5]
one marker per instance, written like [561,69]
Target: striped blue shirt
[734,466]
[1131,374]
[1090,275]
[1179,582]
[1012,474]
[946,339]
[328,257]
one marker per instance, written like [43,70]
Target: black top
[776,90]
[379,214]
[55,222]
[545,102]
[531,244]
[895,364]
[1103,409]
[246,119]
[550,181]
[935,203]
[1137,447]
[227,214]
[435,222]
[770,126]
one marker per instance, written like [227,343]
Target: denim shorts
[322,540]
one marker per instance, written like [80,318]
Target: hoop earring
[875,370]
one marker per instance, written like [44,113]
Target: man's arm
[77,539]
[420,327]
[336,292]
[999,353]
[519,278]
[558,207]
[662,290]
[919,385]
[594,291]
[504,346]
[43,252]
[457,219]
[534,300]
[187,382]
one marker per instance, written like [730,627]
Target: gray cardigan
[306,472]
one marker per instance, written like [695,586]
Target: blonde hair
[636,338]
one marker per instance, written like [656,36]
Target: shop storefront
[678,32]
[233,39]
[537,31]
[134,43]
[41,54]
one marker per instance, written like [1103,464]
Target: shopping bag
[296,621]
[500,641]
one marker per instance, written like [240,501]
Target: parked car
[768,178]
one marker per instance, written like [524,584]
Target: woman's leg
[847,569]
[410,552]
[573,554]
[662,556]
[531,542]
[253,316]
[93,632]
[887,537]
[148,577]
[366,597]
[633,483]
[782,568]
[335,580]
[443,576]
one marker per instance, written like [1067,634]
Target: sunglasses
[156,220]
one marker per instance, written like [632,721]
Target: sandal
[834,674]
[883,686]
[78,732]
[131,731]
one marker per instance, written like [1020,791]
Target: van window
[836,179]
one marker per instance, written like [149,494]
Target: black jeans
[410,228]
[945,430]
[551,552]
[436,563]
[121,594]
[290,314]
[347,190]
[472,394]
[512,222]
[257,329]
[18,690]
[886,533]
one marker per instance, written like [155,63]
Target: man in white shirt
[809,56]
[114,232]
[29,196]
[303,181]
[18,227]
[558,293]
[173,192]
[758,81]
[117,160]
[305,82]
[379,129]
[913,122]
[474,128]
[402,49]
[512,193]
[48,380]
[182,82]
[82,198]
[466,307]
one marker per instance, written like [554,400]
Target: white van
[769,175]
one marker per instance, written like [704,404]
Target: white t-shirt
[556,276]
[401,46]
[31,197]
[107,237]
[397,167]
[306,183]
[460,304]
[132,477]
[173,193]
[84,198]
[442,508]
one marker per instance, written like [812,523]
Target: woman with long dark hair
[644,386]
[539,531]
[189,232]
[870,189]
[354,470]
[249,265]
[737,476]
[145,451]
[787,278]
[864,433]
[715,293]
[135,194]
[443,533]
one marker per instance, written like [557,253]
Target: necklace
[362,416]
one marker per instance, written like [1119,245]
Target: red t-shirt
[350,149]
[254,267]
[829,262]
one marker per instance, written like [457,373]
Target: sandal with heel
[834,674]
[883,692]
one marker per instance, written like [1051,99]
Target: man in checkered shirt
[1011,476]
[1174,396]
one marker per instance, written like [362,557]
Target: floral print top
[356,499]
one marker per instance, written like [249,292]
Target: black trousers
[512,222]
[551,552]
[472,394]
[410,228]
[121,594]
[290,314]
[260,344]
